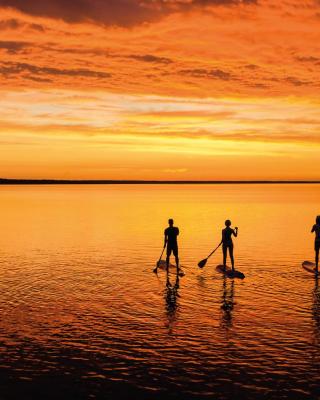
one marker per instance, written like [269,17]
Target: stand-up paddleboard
[229,273]
[172,268]
[309,266]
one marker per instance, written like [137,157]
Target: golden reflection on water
[76,282]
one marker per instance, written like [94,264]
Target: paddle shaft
[214,250]
[162,253]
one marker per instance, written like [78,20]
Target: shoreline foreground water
[84,317]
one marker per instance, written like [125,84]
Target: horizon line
[9,181]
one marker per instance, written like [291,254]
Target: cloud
[11,23]
[151,59]
[37,79]
[204,73]
[14,68]
[258,85]
[36,27]
[251,66]
[200,54]
[13,46]
[112,12]
[219,115]
[296,82]
[220,2]
[14,24]
[309,59]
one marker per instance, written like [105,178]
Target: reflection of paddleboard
[309,266]
[172,268]
[228,272]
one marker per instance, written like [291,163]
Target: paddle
[156,268]
[203,262]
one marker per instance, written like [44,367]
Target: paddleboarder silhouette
[316,230]
[227,243]
[170,240]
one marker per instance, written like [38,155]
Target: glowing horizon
[177,90]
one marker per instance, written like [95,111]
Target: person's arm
[222,236]
[177,231]
[235,231]
[313,229]
[165,239]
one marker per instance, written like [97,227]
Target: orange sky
[176,89]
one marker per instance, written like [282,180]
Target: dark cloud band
[13,46]
[14,68]
[112,12]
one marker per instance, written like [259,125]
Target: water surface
[83,316]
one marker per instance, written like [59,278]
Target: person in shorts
[170,240]
[227,243]
[316,230]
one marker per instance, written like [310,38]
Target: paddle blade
[202,263]
[161,264]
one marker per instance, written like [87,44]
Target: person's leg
[231,256]
[168,257]
[317,257]
[224,250]
[176,255]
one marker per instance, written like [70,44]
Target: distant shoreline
[143,182]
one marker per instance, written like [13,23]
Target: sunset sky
[160,89]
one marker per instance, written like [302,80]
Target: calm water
[83,316]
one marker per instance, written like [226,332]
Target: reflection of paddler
[171,294]
[170,240]
[316,309]
[227,302]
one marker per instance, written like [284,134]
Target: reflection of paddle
[203,262]
[156,268]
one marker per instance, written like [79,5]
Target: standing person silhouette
[227,243]
[170,240]
[316,229]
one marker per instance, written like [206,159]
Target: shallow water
[83,316]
